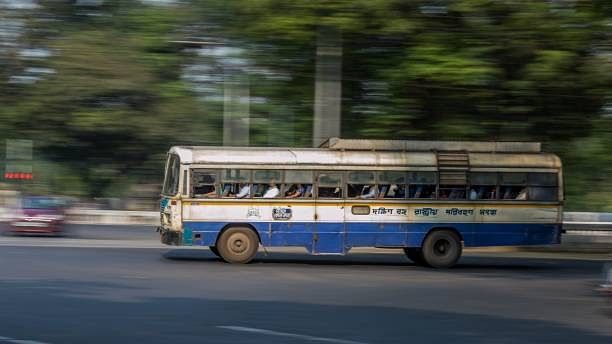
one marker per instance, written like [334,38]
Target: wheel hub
[238,243]
[441,247]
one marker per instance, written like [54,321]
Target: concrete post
[236,117]
[328,86]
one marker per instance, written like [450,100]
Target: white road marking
[19,341]
[290,335]
[88,243]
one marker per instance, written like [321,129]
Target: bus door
[293,217]
[483,189]
[365,223]
[329,232]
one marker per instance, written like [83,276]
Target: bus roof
[336,143]
[372,158]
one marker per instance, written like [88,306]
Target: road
[106,284]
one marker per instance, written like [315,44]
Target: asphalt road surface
[118,285]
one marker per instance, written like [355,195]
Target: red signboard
[18,175]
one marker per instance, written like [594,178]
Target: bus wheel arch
[237,243]
[237,224]
[442,247]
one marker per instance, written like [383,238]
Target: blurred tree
[115,99]
[463,69]
[112,94]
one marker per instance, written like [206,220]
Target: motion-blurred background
[94,92]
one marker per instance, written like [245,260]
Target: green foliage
[463,69]
[114,99]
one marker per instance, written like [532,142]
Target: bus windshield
[171,182]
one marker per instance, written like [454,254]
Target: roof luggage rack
[336,143]
[453,167]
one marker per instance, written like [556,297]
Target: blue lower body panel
[338,238]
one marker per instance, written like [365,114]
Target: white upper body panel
[271,156]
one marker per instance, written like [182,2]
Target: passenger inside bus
[227,190]
[330,192]
[473,195]
[388,191]
[307,191]
[443,194]
[451,192]
[368,191]
[512,192]
[522,195]
[245,191]
[422,191]
[295,191]
[482,192]
[207,190]
[393,191]
[212,193]
[418,191]
[204,184]
[272,191]
[383,191]
[457,193]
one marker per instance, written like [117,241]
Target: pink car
[39,215]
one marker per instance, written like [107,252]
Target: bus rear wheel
[441,249]
[415,254]
[238,245]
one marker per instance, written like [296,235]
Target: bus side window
[361,184]
[392,184]
[266,183]
[452,192]
[236,183]
[513,186]
[422,184]
[542,186]
[204,183]
[298,184]
[329,185]
[483,185]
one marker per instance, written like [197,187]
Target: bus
[429,198]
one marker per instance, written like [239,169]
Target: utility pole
[236,96]
[236,117]
[328,86]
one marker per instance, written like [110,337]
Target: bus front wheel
[238,245]
[414,254]
[214,250]
[441,249]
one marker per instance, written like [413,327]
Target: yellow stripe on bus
[336,204]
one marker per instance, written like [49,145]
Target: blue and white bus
[431,198]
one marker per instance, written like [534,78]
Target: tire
[414,254]
[214,250]
[238,245]
[441,249]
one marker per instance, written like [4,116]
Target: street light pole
[328,86]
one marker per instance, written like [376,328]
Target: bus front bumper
[169,237]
